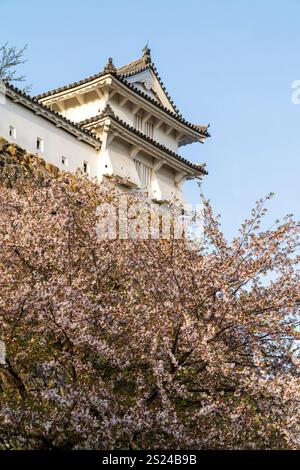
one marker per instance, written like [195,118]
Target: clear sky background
[230,63]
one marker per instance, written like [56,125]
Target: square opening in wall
[64,162]
[12,132]
[86,168]
[40,144]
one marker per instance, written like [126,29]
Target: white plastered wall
[56,141]
[76,111]
[116,160]
[164,187]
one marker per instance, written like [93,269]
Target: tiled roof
[134,66]
[142,64]
[35,102]
[108,112]
[204,132]
[71,85]
[121,74]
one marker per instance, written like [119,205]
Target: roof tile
[108,112]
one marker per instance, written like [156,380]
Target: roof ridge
[131,67]
[71,85]
[107,111]
[108,68]
[145,60]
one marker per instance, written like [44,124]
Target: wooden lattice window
[149,129]
[144,172]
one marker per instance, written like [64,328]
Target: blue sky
[229,63]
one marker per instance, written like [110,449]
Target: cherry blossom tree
[143,344]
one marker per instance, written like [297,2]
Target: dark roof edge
[58,116]
[152,67]
[122,79]
[178,117]
[71,85]
[108,112]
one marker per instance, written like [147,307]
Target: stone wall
[16,163]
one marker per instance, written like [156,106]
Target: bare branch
[10,59]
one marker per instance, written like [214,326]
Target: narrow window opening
[64,162]
[12,132]
[86,168]
[40,144]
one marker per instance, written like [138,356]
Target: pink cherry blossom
[143,344]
